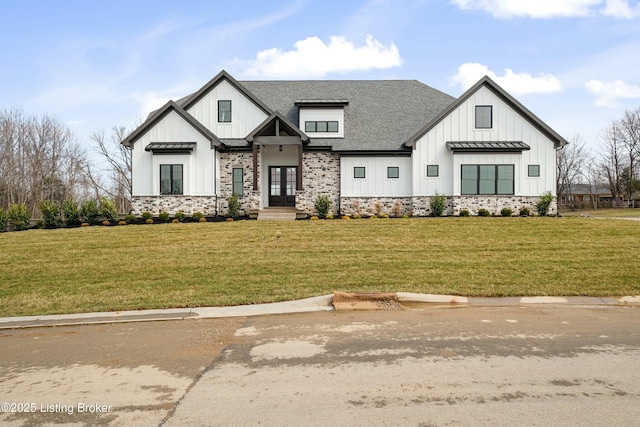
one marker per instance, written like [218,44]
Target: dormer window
[322,118]
[484,116]
[224,111]
[321,126]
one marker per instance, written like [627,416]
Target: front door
[282,185]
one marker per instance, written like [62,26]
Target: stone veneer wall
[320,176]
[366,206]
[495,204]
[250,199]
[174,204]
[422,206]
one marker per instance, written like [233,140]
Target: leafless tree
[613,158]
[572,159]
[629,125]
[117,166]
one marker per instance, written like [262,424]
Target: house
[365,144]
[587,196]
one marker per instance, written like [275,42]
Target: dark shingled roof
[380,116]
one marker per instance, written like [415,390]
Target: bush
[108,210]
[437,204]
[464,212]
[506,212]
[3,220]
[234,207]
[524,211]
[20,216]
[164,216]
[146,215]
[384,216]
[405,216]
[314,218]
[483,212]
[149,220]
[70,212]
[197,216]
[544,203]
[329,216]
[89,210]
[323,205]
[397,209]
[175,221]
[347,217]
[50,213]
[130,218]
[180,216]
[357,216]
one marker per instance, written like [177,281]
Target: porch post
[299,177]
[255,166]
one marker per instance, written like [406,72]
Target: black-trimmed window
[433,171]
[487,179]
[393,172]
[237,179]
[484,116]
[321,126]
[359,172]
[534,170]
[171,179]
[224,111]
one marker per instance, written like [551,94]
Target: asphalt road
[481,366]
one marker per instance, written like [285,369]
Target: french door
[282,185]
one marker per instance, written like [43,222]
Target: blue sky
[574,63]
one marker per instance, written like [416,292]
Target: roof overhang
[487,146]
[321,102]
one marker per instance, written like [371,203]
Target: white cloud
[545,9]
[608,94]
[312,58]
[515,83]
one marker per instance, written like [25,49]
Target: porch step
[277,214]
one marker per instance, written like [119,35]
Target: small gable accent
[557,139]
[487,146]
[277,129]
[160,114]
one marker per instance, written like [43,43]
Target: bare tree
[118,166]
[630,127]
[571,161]
[613,158]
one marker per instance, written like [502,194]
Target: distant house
[586,196]
[362,143]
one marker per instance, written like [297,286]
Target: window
[237,182]
[393,172]
[224,111]
[359,172]
[534,170]
[487,179]
[484,116]
[432,170]
[170,179]
[331,126]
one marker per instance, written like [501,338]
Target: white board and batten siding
[459,125]
[308,114]
[375,183]
[198,167]
[245,115]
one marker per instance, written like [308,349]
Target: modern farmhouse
[362,143]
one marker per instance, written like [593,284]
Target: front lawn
[214,264]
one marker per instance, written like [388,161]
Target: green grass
[230,263]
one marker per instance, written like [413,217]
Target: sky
[98,64]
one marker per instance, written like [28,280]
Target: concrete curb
[320,303]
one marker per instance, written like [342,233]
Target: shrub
[464,212]
[397,209]
[483,212]
[175,221]
[377,207]
[524,211]
[89,210]
[197,216]
[506,212]
[373,217]
[106,222]
[543,204]
[203,219]
[146,215]
[384,215]
[405,216]
[180,216]
[50,213]
[234,207]
[357,216]
[149,220]
[19,216]
[329,216]
[108,210]
[70,212]
[122,222]
[130,218]
[356,207]
[323,205]
[347,217]
[3,220]
[164,216]
[314,218]
[437,204]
